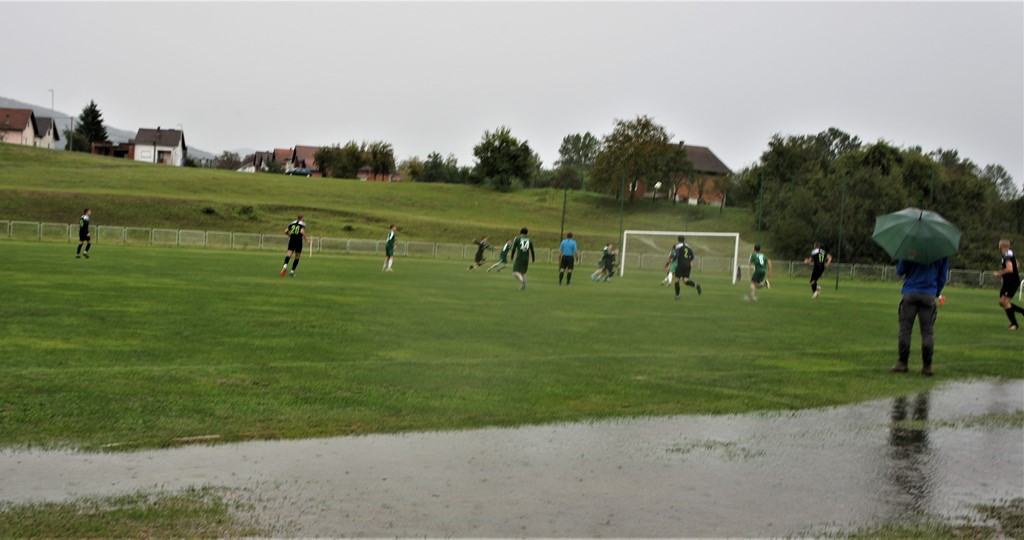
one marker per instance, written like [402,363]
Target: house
[18,126]
[303,158]
[260,162]
[47,135]
[166,146]
[284,157]
[699,186]
[366,174]
[118,150]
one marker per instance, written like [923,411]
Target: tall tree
[90,124]
[503,162]
[440,169]
[342,161]
[636,150]
[411,169]
[228,160]
[1003,182]
[381,158]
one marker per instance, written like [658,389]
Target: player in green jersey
[522,246]
[503,257]
[389,249]
[761,267]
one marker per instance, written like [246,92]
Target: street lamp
[657,187]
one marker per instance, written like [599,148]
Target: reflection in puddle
[741,475]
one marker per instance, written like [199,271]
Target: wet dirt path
[738,475]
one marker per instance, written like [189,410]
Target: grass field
[150,347]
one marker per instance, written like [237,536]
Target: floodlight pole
[622,209]
[842,210]
[565,198]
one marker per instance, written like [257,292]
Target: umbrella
[916,235]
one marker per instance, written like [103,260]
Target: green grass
[191,513]
[153,347]
[43,185]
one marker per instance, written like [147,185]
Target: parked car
[300,172]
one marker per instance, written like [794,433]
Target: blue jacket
[923,278]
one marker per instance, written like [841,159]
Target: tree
[636,150]
[381,158]
[503,162]
[76,142]
[228,161]
[439,169]
[1003,182]
[342,161]
[90,125]
[411,169]
[274,167]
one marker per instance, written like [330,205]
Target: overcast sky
[429,76]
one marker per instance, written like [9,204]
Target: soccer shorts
[758,276]
[1009,289]
[817,272]
[683,270]
[295,244]
[567,261]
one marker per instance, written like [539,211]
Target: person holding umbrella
[922,284]
[922,242]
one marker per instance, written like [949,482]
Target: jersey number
[524,245]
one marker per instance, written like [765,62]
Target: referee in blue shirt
[570,252]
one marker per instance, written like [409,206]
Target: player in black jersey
[1011,282]
[478,259]
[296,232]
[83,234]
[821,260]
[684,256]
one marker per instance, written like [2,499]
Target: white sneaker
[816,293]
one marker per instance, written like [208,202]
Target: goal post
[735,260]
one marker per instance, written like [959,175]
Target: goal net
[715,253]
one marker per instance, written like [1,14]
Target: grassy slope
[142,346]
[41,185]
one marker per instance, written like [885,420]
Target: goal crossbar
[735,253]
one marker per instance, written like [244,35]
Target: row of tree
[831,185]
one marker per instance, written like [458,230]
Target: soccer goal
[716,252]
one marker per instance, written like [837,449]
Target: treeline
[803,186]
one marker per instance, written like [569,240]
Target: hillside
[43,185]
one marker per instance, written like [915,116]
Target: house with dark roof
[18,126]
[303,158]
[699,186]
[47,134]
[165,146]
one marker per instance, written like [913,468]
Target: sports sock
[79,252]
[87,246]
[677,288]
[814,286]
[1010,315]
[691,283]
[286,259]
[560,276]
[1016,308]
[295,264]
[568,279]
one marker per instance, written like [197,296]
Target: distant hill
[63,120]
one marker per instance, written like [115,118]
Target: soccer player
[570,252]
[522,246]
[503,257]
[478,260]
[922,284]
[761,268]
[670,266]
[296,232]
[83,234]
[1010,273]
[821,260]
[389,249]
[684,256]
[606,266]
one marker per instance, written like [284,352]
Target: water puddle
[741,475]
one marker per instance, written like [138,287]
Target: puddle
[738,475]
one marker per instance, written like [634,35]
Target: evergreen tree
[90,125]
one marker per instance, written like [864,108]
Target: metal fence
[110,234]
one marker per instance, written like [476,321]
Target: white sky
[429,76]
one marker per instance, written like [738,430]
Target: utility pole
[842,210]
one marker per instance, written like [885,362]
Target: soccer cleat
[677,297]
[767,285]
[816,294]
[283,271]
[698,290]
[1013,327]
[927,371]
[78,256]
[86,254]
[899,368]
[292,273]
[753,299]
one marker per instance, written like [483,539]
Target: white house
[18,126]
[165,146]
[48,135]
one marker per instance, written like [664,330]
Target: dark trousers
[922,307]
